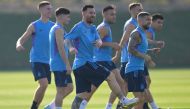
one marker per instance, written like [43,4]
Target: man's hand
[69,70]
[19,47]
[98,43]
[73,50]
[115,59]
[116,46]
[160,44]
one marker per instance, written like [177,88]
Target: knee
[110,77]
[43,84]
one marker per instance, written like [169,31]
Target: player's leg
[83,87]
[137,84]
[43,76]
[148,95]
[63,89]
[141,96]
[114,86]
[121,83]
[66,91]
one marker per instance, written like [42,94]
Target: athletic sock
[83,104]
[109,106]
[34,105]
[153,105]
[52,104]
[58,108]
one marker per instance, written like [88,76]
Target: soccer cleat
[130,103]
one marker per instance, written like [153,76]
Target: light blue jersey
[136,63]
[152,32]
[124,52]
[153,35]
[56,62]
[83,36]
[104,53]
[40,41]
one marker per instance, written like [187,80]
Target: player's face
[65,19]
[158,24]
[137,10]
[89,15]
[110,16]
[146,21]
[46,11]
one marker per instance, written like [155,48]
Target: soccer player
[137,48]
[59,62]
[156,25]
[103,55]
[88,73]
[39,54]
[130,25]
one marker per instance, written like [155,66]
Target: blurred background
[16,15]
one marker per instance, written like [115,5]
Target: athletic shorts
[122,69]
[136,81]
[61,79]
[146,72]
[107,64]
[41,70]
[89,74]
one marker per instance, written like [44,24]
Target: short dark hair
[61,10]
[133,5]
[157,16]
[143,14]
[109,7]
[85,7]
[43,3]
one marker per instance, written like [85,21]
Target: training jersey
[137,63]
[153,35]
[56,62]
[40,41]
[124,52]
[83,36]
[104,53]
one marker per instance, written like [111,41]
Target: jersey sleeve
[73,34]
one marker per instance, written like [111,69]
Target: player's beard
[90,20]
[146,27]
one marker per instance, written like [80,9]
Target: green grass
[170,87]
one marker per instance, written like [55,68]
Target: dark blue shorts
[122,69]
[107,64]
[146,72]
[61,79]
[41,70]
[136,81]
[89,74]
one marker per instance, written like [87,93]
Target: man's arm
[159,44]
[27,34]
[123,40]
[103,33]
[133,42]
[60,45]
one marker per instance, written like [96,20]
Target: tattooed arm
[135,39]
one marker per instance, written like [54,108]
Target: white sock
[52,104]
[109,106]
[83,104]
[153,105]
[58,108]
